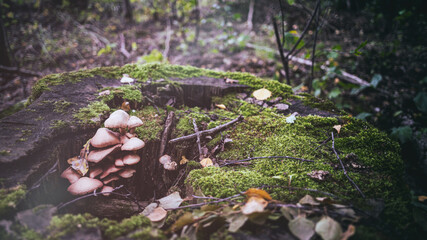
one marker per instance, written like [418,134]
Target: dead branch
[166,132]
[196,130]
[250,15]
[269,157]
[207,132]
[343,168]
[123,46]
[284,59]
[20,71]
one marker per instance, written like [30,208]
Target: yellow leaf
[221,106]
[262,94]
[206,162]
[255,192]
[125,106]
[422,198]
[183,161]
[254,204]
[79,164]
[157,215]
[337,127]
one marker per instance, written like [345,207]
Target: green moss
[68,223]
[4,152]
[153,123]
[321,104]
[61,106]
[9,198]
[126,92]
[147,233]
[12,109]
[59,124]
[91,113]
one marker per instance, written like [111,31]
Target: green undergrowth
[9,198]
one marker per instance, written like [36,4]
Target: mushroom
[133,144]
[133,123]
[109,169]
[124,138]
[104,137]
[110,178]
[118,119]
[131,159]
[170,166]
[95,171]
[165,159]
[127,172]
[84,185]
[106,190]
[71,175]
[97,155]
[127,79]
[119,162]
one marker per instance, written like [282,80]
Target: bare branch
[196,130]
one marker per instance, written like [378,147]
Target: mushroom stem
[131,130]
[122,131]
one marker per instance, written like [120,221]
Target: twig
[314,51]
[323,143]
[123,46]
[166,132]
[50,171]
[196,130]
[282,56]
[227,199]
[20,71]
[269,157]
[343,168]
[282,15]
[207,132]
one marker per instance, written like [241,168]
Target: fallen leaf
[149,209]
[236,222]
[104,93]
[157,215]
[292,118]
[171,201]
[351,230]
[302,228]
[262,94]
[337,127]
[318,174]
[79,164]
[126,79]
[232,81]
[255,192]
[422,198]
[221,106]
[125,106]
[328,229]
[289,213]
[184,220]
[206,162]
[308,200]
[183,161]
[254,204]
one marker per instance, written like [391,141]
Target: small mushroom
[133,123]
[110,178]
[124,138]
[84,185]
[165,159]
[97,155]
[133,144]
[71,175]
[131,159]
[127,172]
[118,119]
[110,169]
[119,162]
[104,137]
[170,166]
[107,189]
[95,171]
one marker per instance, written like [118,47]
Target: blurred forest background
[369,56]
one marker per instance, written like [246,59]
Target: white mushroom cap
[127,172]
[124,139]
[133,144]
[97,155]
[134,122]
[95,171]
[131,159]
[107,189]
[110,178]
[104,137]
[119,162]
[71,175]
[170,166]
[117,119]
[165,159]
[84,185]
[110,169]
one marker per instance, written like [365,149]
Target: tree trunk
[128,10]
[4,55]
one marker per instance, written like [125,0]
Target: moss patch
[91,113]
[9,198]
[153,123]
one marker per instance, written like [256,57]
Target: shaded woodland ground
[381,43]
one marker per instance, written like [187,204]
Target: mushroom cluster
[112,155]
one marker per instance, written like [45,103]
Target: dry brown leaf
[254,204]
[221,106]
[262,94]
[183,161]
[422,198]
[337,127]
[255,192]
[125,106]
[157,215]
[351,230]
[206,162]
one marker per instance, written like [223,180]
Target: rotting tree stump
[65,110]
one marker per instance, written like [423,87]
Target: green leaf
[328,229]
[291,2]
[356,51]
[421,101]
[375,80]
[403,134]
[334,93]
[363,115]
[302,228]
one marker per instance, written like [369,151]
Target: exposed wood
[166,132]
[196,130]
[207,132]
